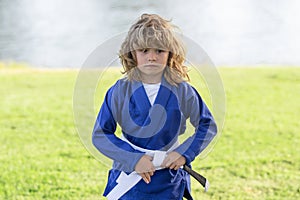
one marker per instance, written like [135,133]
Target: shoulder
[184,85]
[123,87]
[187,90]
[119,85]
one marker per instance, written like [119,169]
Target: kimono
[153,127]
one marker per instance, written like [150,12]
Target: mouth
[150,65]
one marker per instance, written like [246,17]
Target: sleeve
[205,126]
[105,140]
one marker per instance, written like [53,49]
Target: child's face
[151,62]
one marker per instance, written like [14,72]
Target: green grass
[256,157]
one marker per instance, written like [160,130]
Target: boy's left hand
[173,161]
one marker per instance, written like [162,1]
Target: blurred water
[62,33]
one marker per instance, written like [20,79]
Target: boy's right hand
[145,168]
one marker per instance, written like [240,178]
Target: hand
[145,168]
[173,161]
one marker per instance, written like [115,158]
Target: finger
[152,169]
[148,177]
[163,164]
[177,167]
[169,163]
[172,166]
[149,157]
[144,178]
[151,173]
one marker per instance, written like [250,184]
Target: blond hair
[152,31]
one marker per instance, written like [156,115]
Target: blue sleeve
[205,126]
[105,140]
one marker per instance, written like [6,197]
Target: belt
[126,182]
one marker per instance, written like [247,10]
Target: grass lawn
[257,155]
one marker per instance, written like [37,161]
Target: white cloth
[125,183]
[151,91]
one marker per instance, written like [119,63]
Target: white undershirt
[151,90]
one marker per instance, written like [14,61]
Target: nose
[152,55]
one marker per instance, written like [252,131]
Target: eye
[159,51]
[144,50]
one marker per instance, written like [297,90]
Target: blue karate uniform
[153,127]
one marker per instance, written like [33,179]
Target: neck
[151,80]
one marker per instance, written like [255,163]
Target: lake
[62,33]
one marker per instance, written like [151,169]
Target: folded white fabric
[126,182]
